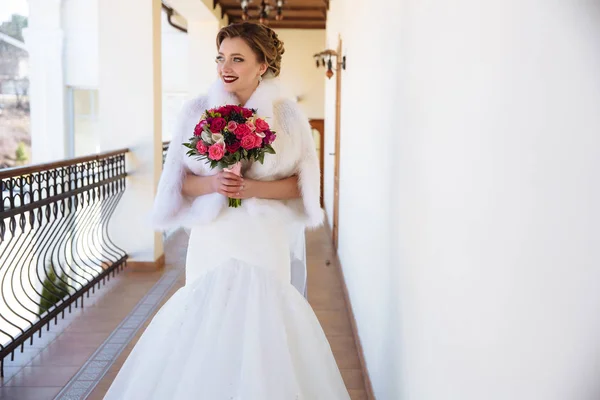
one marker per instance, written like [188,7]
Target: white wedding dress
[238,329]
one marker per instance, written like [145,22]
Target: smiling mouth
[229,79]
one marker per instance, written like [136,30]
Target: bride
[239,329]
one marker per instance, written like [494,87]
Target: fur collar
[264,97]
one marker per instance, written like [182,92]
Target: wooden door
[318,126]
[336,154]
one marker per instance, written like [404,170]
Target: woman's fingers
[231,182]
[230,190]
[231,176]
[231,185]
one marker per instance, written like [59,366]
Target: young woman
[238,329]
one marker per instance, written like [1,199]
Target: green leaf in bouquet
[269,149]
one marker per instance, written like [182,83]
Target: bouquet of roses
[227,135]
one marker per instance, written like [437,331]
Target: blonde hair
[263,41]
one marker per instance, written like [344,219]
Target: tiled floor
[43,371]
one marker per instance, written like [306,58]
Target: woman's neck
[244,96]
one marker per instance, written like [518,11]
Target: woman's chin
[230,86]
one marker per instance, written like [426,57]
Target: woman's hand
[230,185]
[235,187]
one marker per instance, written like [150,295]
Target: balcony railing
[165,148]
[54,241]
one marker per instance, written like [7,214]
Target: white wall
[496,268]
[175,61]
[80,26]
[175,55]
[499,159]
[299,73]
[365,237]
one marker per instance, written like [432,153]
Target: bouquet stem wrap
[235,169]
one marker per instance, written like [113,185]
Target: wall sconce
[324,58]
[264,10]
[279,15]
[244,4]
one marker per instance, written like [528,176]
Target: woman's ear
[263,68]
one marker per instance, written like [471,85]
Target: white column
[202,53]
[130,113]
[44,40]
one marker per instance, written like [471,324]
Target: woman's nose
[227,65]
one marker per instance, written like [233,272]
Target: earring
[260,78]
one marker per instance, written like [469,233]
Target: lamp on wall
[264,11]
[279,15]
[327,58]
[263,15]
[244,5]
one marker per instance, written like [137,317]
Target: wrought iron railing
[54,241]
[165,148]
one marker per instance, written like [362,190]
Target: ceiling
[297,14]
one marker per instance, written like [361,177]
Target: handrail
[28,169]
[55,244]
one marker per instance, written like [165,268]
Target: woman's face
[238,66]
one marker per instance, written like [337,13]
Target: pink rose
[242,130]
[216,152]
[251,126]
[217,125]
[201,147]
[261,125]
[248,142]
[258,141]
[231,126]
[233,147]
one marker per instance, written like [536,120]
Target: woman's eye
[219,59]
[237,59]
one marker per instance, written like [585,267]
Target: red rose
[216,152]
[247,113]
[242,130]
[201,147]
[199,127]
[258,141]
[248,142]
[224,111]
[233,147]
[261,125]
[217,125]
